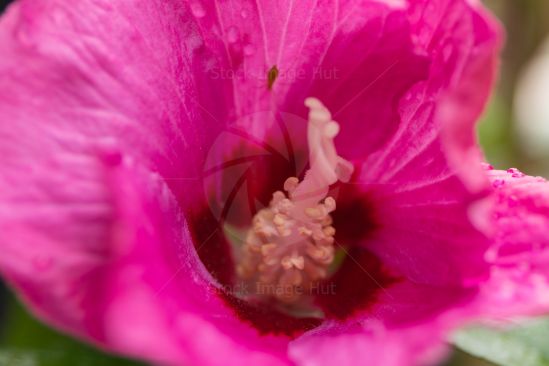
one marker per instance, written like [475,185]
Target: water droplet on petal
[42,264]
[232,34]
[249,50]
[491,255]
[524,266]
[513,201]
[487,166]
[197,9]
[447,52]
[109,152]
[216,31]
[244,13]
[498,183]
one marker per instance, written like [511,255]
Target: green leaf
[14,358]
[58,357]
[526,344]
[26,342]
[495,134]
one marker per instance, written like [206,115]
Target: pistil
[290,246]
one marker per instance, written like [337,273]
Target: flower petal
[96,76]
[421,180]
[408,326]
[90,247]
[372,344]
[158,274]
[140,289]
[519,212]
[475,56]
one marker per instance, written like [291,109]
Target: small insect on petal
[272,75]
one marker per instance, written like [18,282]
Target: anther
[291,243]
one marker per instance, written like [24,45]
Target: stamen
[291,243]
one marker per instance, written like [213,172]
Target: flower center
[290,246]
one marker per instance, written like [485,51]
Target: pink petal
[306,44]
[373,63]
[418,185]
[141,290]
[114,79]
[93,87]
[408,326]
[470,88]
[419,208]
[371,343]
[158,274]
[519,283]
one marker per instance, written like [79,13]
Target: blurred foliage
[3,4]
[525,344]
[494,134]
[460,358]
[526,23]
[26,342]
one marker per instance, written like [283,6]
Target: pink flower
[138,138]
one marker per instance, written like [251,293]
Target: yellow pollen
[290,245]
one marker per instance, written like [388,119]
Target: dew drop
[249,50]
[109,152]
[513,201]
[244,13]
[524,266]
[408,97]
[197,9]
[487,166]
[42,264]
[491,255]
[232,34]
[216,31]
[447,53]
[498,183]
[515,173]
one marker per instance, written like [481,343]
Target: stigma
[290,245]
